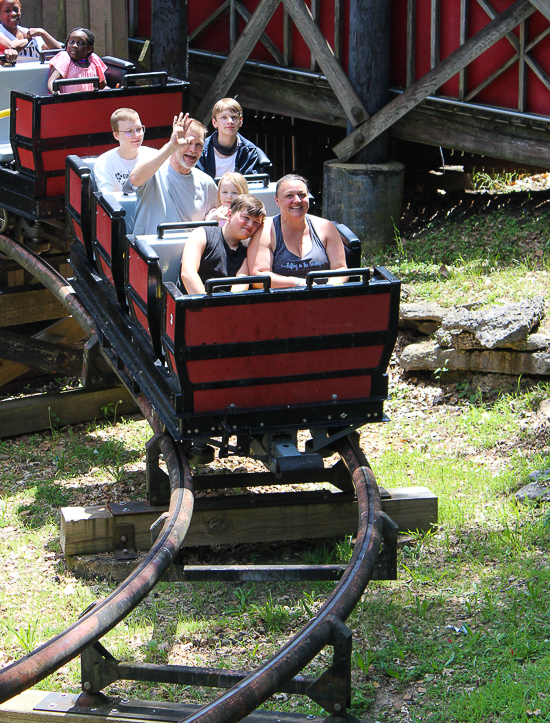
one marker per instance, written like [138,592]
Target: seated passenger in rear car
[78,61]
[169,187]
[212,252]
[229,187]
[27,42]
[294,243]
[112,169]
[226,150]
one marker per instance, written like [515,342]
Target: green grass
[463,635]
[487,258]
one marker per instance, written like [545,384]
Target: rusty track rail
[52,280]
[325,628]
[256,688]
[105,614]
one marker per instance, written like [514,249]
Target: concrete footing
[367,197]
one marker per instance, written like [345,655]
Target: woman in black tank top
[294,243]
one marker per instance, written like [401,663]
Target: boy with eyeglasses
[112,169]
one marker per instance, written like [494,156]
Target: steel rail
[106,613]
[52,280]
[247,695]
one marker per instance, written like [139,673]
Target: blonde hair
[122,114]
[229,104]
[237,179]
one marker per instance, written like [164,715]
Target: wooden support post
[369,66]
[422,88]
[169,37]
[89,530]
[343,88]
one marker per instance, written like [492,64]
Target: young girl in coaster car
[28,42]
[231,185]
[78,61]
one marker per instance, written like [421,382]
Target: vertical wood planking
[435,35]
[411,42]
[61,20]
[522,68]
[315,13]
[232,24]
[464,33]
[338,23]
[287,38]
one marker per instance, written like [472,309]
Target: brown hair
[250,204]
[237,179]
[290,177]
[229,104]
[122,114]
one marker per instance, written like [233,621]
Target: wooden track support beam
[89,530]
[437,76]
[21,709]
[24,307]
[41,411]
[65,332]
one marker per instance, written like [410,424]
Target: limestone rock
[538,490]
[496,327]
[543,411]
[467,340]
[424,317]
[429,355]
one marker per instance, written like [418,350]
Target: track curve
[247,695]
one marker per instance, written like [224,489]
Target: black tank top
[288,264]
[219,260]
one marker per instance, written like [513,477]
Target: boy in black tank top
[214,253]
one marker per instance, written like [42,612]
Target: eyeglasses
[140,130]
[77,43]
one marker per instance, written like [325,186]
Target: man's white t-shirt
[111,171]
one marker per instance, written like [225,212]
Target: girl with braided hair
[78,61]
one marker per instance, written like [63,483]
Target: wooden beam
[449,128]
[218,12]
[89,530]
[332,69]
[426,85]
[543,6]
[24,307]
[46,356]
[521,54]
[265,39]
[481,136]
[237,57]
[464,25]
[66,331]
[40,411]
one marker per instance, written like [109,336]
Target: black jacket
[247,160]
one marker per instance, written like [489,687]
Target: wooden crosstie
[366,128]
